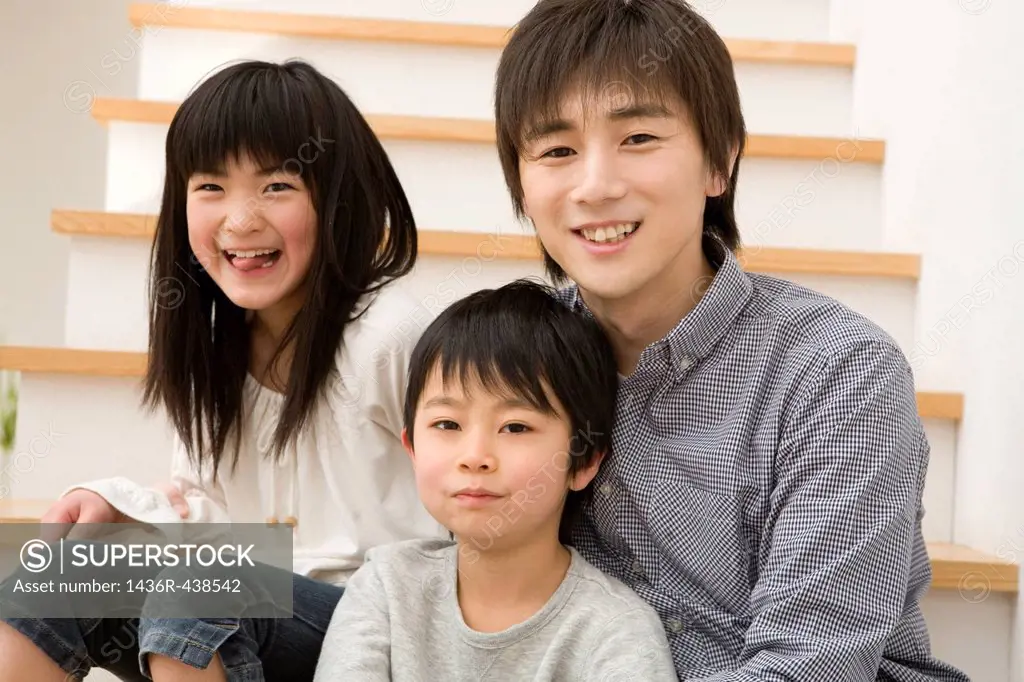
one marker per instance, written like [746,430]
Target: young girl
[282,370]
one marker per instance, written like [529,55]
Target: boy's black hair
[513,338]
[292,117]
[644,51]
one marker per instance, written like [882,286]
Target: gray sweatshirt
[400,620]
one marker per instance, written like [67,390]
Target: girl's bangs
[264,115]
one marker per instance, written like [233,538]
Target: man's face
[616,192]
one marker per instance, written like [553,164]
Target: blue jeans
[251,649]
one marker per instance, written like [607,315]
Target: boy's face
[491,468]
[635,171]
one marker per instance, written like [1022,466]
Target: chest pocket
[702,555]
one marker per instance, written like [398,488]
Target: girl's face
[253,230]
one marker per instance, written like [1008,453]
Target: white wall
[940,81]
[946,94]
[51,148]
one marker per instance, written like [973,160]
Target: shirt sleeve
[204,496]
[631,646]
[838,559]
[357,643]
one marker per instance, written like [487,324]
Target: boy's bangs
[619,68]
[262,115]
[499,366]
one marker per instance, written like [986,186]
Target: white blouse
[346,483]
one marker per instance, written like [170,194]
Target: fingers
[176,499]
[179,503]
[59,519]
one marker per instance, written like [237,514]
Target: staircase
[810,207]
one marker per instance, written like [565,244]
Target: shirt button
[637,568]
[606,489]
[675,625]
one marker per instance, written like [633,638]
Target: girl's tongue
[247,263]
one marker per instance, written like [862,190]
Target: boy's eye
[557,153]
[640,138]
[446,425]
[517,428]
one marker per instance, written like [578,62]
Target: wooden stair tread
[76,361]
[974,574]
[438,129]
[22,511]
[107,363]
[438,33]
[954,567]
[524,247]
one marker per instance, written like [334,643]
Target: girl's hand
[78,506]
[175,497]
[85,506]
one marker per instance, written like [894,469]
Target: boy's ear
[407,445]
[582,478]
[717,184]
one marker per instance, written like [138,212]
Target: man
[764,488]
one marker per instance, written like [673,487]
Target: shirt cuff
[133,500]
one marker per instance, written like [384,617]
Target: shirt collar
[697,333]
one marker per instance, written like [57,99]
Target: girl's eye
[517,428]
[556,153]
[279,186]
[640,138]
[446,425]
[207,187]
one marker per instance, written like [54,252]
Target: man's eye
[557,153]
[640,138]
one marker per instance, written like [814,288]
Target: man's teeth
[251,254]
[612,233]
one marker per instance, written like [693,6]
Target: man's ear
[716,183]
[407,444]
[582,478]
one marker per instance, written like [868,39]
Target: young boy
[508,415]
[765,493]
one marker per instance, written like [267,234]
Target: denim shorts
[251,649]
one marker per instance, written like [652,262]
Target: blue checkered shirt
[764,488]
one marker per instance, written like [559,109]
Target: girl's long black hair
[292,116]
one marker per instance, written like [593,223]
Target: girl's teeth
[613,233]
[252,253]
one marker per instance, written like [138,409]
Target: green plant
[8,417]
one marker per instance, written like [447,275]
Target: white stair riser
[972,629]
[787,20]
[75,428]
[939,498]
[459,82]
[824,204]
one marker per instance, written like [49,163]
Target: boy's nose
[478,458]
[599,180]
